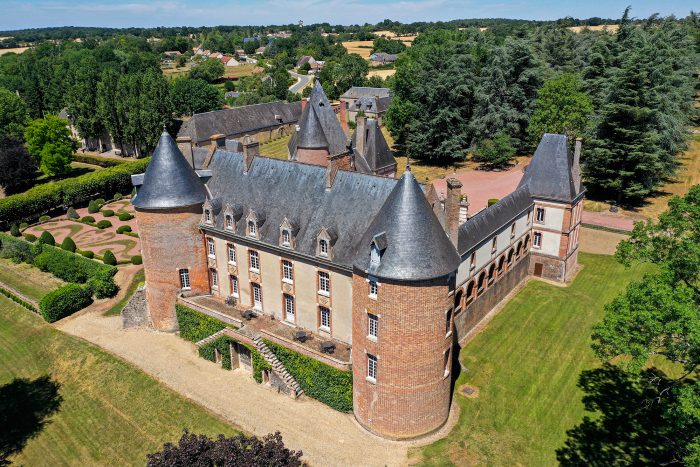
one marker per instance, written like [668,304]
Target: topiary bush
[123,229]
[14,231]
[103,224]
[195,326]
[100,201]
[64,301]
[117,196]
[23,226]
[47,239]
[72,213]
[29,237]
[102,283]
[93,207]
[88,254]
[109,258]
[68,244]
[88,220]
[107,212]
[136,259]
[125,216]
[43,219]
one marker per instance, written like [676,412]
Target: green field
[138,279]
[526,366]
[276,148]
[27,279]
[110,414]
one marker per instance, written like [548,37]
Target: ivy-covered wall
[322,382]
[195,326]
[222,344]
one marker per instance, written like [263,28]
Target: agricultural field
[361,48]
[15,50]
[525,367]
[612,28]
[81,405]
[384,74]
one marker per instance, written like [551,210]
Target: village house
[304,60]
[382,58]
[372,102]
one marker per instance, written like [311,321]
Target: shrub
[88,220]
[64,301]
[109,258]
[30,237]
[18,250]
[67,266]
[103,224]
[100,201]
[322,382]
[195,326]
[88,254]
[19,301]
[136,259]
[23,226]
[93,207]
[102,283]
[125,216]
[43,219]
[117,196]
[68,244]
[222,345]
[47,239]
[14,231]
[85,159]
[72,213]
[107,212]
[492,201]
[123,229]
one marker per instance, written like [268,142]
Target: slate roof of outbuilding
[279,189]
[240,120]
[356,92]
[417,247]
[549,175]
[371,104]
[377,154]
[169,181]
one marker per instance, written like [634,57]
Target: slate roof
[240,120]
[486,222]
[278,189]
[377,154]
[356,92]
[549,175]
[319,127]
[417,247]
[383,57]
[169,181]
[371,104]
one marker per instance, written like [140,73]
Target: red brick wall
[171,241]
[313,156]
[411,396]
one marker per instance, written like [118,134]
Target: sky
[19,14]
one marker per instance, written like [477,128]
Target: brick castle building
[366,265]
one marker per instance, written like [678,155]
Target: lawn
[110,414]
[27,279]
[138,279]
[276,148]
[526,366]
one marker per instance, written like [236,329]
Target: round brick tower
[402,318]
[168,206]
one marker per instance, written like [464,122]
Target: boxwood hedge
[64,301]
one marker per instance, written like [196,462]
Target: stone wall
[135,312]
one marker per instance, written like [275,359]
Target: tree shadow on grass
[630,425]
[25,408]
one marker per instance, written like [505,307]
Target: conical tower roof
[169,181]
[413,244]
[319,127]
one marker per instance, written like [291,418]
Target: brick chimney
[251,148]
[576,165]
[335,163]
[452,208]
[344,115]
[361,134]
[217,141]
[184,143]
[304,101]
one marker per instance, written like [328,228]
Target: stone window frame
[328,236]
[185,282]
[539,210]
[319,289]
[285,308]
[214,275]
[512,231]
[235,286]
[537,240]
[373,288]
[472,261]
[253,287]
[233,213]
[231,248]
[290,228]
[448,321]
[322,327]
[372,368]
[208,213]
[287,265]
[211,248]
[256,254]
[255,220]
[372,326]
[448,362]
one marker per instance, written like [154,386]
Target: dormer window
[252,229]
[288,230]
[229,222]
[325,240]
[207,216]
[323,247]
[232,215]
[253,222]
[375,255]
[286,238]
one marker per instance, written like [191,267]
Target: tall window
[324,283]
[448,322]
[257,296]
[371,367]
[325,318]
[472,261]
[214,278]
[373,289]
[373,324]
[234,286]
[231,253]
[254,260]
[494,244]
[289,308]
[539,215]
[252,229]
[287,271]
[447,362]
[229,221]
[529,216]
[286,238]
[184,278]
[537,240]
[323,247]
[512,230]
[210,248]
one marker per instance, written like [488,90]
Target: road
[302,81]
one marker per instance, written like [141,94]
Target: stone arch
[510,256]
[518,249]
[492,272]
[481,284]
[470,291]
[501,264]
[458,299]
[527,242]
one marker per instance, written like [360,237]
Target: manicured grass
[27,279]
[276,148]
[111,413]
[526,365]
[138,279]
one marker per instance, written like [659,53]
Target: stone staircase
[208,339]
[278,367]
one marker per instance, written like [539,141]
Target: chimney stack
[344,115]
[452,209]
[360,134]
[184,143]
[304,102]
[576,165]
[217,141]
[251,148]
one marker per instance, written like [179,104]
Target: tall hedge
[17,249]
[77,191]
[322,382]
[66,265]
[64,301]
[195,326]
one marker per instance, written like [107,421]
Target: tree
[16,165]
[338,77]
[237,450]
[561,107]
[658,317]
[496,152]
[13,114]
[390,46]
[109,112]
[49,141]
[190,96]
[81,98]
[209,70]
